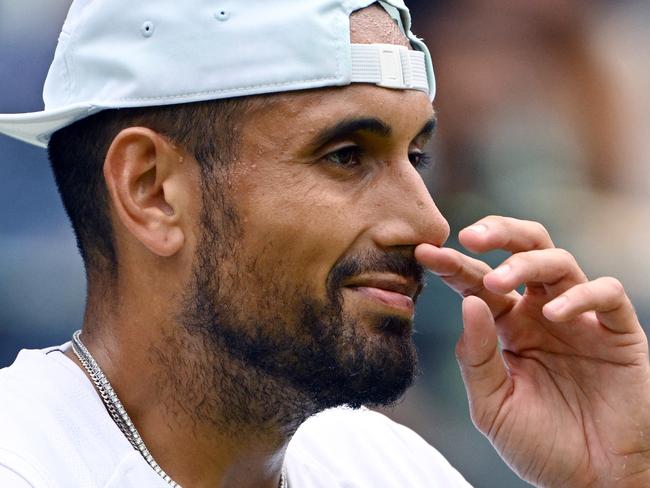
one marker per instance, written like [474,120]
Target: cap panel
[266,46]
[57,89]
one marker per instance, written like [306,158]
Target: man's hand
[557,378]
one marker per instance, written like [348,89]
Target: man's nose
[409,214]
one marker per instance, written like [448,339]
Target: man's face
[305,271]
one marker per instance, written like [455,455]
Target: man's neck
[201,418]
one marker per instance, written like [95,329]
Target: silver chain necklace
[118,412]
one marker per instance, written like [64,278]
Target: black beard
[330,362]
[274,360]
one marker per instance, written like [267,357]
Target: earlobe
[146,189]
[173,241]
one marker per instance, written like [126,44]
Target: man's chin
[394,326]
[384,325]
[379,365]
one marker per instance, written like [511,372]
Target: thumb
[486,378]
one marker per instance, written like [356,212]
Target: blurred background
[544,114]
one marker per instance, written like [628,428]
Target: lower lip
[388,298]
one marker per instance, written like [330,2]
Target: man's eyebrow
[348,127]
[427,130]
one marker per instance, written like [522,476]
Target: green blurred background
[544,114]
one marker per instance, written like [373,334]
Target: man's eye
[347,157]
[420,160]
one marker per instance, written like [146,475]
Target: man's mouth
[392,291]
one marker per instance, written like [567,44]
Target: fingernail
[557,305]
[502,270]
[478,228]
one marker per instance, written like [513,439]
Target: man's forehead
[374,25]
[294,117]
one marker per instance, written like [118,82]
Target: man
[253,264]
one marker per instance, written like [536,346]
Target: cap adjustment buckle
[389,66]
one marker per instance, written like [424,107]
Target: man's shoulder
[24,383]
[38,382]
[32,414]
[26,412]
[54,427]
[363,447]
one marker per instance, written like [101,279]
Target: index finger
[509,234]
[464,275]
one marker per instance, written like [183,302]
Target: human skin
[303,209]
[557,378]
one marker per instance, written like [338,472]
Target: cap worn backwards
[120,53]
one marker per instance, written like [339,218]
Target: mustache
[376,262]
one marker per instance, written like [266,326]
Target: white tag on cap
[390,63]
[390,66]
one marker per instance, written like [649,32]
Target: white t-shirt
[56,433]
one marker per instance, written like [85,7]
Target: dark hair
[208,130]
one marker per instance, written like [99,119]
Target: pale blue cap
[142,53]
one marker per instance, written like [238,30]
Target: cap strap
[390,66]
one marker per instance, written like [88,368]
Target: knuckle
[491,220]
[537,234]
[540,230]
[613,285]
[566,256]
[512,223]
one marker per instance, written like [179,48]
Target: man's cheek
[295,257]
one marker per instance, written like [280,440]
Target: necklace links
[118,412]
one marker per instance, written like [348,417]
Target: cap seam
[340,24]
[67,75]
[226,90]
[72,35]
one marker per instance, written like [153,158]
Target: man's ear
[148,189]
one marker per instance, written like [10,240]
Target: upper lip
[396,283]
